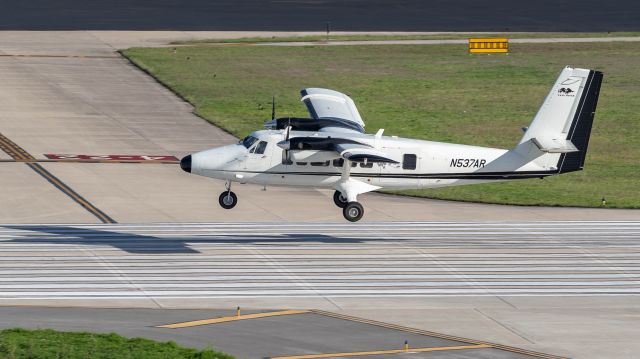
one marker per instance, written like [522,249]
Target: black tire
[353,211]
[228,200]
[338,199]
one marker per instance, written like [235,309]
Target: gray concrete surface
[80,104]
[27,197]
[440,42]
[569,288]
[289,335]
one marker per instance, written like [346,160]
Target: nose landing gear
[227,198]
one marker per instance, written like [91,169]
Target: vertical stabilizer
[563,123]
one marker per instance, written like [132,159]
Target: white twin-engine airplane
[331,150]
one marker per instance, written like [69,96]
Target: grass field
[435,92]
[371,37]
[50,344]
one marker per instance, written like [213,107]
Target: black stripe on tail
[581,125]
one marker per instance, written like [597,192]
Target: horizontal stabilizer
[554,145]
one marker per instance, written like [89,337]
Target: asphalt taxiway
[296,15]
[271,334]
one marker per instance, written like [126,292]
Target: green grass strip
[51,344]
[433,92]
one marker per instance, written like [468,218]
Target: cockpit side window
[248,141]
[261,147]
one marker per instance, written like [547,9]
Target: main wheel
[228,200]
[339,199]
[353,211]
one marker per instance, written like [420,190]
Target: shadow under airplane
[144,244]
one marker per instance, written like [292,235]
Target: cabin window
[301,163]
[248,141]
[368,165]
[409,162]
[261,147]
[340,162]
[320,164]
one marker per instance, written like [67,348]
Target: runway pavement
[323,260]
[541,285]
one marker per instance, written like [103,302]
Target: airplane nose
[185,163]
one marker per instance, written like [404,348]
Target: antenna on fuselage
[273,108]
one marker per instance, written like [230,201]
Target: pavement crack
[515,332]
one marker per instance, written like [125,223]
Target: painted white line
[318,260]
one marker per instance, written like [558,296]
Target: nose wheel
[227,198]
[353,211]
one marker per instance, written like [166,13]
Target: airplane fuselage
[421,164]
[332,150]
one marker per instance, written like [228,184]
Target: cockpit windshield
[248,141]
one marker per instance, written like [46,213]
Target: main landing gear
[227,198]
[339,199]
[352,211]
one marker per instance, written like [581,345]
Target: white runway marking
[319,260]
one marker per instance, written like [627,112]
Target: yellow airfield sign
[488,45]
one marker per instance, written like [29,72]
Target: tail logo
[566,91]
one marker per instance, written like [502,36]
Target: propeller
[286,145]
[273,124]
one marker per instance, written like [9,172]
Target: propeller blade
[286,150]
[285,145]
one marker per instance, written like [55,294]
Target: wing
[324,103]
[346,148]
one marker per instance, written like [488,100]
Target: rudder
[563,122]
[580,130]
